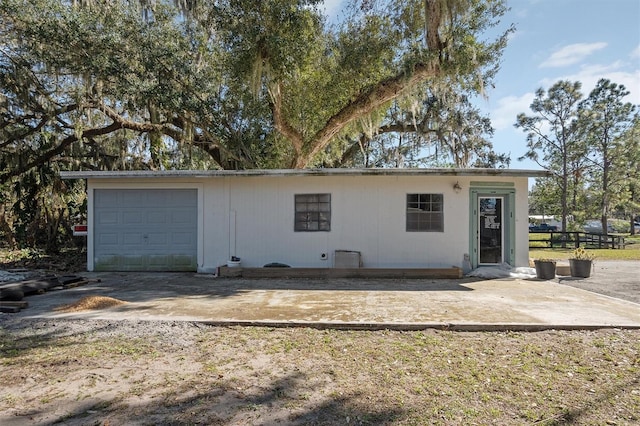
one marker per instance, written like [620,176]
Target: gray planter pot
[580,268]
[545,270]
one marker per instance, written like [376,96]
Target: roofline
[301,172]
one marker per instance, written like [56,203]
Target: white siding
[367,215]
[252,217]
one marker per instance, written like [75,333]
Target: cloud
[615,72]
[504,115]
[635,53]
[571,54]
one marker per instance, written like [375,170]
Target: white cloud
[635,53]
[504,115]
[615,72]
[571,54]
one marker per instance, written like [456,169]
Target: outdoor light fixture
[457,188]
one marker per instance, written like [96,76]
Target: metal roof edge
[301,172]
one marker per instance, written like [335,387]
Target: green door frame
[507,191]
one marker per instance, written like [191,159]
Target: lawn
[179,373]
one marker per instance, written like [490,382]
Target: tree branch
[281,124]
[48,155]
[364,104]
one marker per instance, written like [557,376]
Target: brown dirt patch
[90,303]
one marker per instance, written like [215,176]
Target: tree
[248,82]
[130,84]
[630,202]
[553,136]
[441,129]
[632,147]
[606,118]
[544,198]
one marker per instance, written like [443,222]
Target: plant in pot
[580,263]
[545,268]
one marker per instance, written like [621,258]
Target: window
[424,213]
[313,212]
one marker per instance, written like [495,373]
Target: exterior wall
[252,217]
[367,215]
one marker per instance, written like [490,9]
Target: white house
[320,218]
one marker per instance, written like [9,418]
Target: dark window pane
[424,213]
[312,212]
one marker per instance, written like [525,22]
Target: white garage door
[145,229]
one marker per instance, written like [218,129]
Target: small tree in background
[553,136]
[605,118]
[631,171]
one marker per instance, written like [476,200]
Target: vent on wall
[347,259]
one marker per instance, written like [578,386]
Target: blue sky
[575,40]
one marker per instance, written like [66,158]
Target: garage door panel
[107,239]
[157,217]
[184,199]
[131,239]
[158,198]
[106,217]
[133,217]
[158,261]
[107,199]
[132,263]
[182,238]
[183,263]
[181,216]
[145,230]
[157,239]
[132,197]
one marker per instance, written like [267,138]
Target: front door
[490,230]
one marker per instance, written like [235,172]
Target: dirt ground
[104,372]
[151,373]
[615,278]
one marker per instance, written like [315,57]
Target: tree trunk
[604,202]
[565,189]
[6,229]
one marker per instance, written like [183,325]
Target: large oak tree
[250,83]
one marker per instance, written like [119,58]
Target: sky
[575,40]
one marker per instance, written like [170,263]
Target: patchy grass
[67,260]
[305,376]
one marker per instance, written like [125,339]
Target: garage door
[145,229]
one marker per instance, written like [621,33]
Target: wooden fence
[579,239]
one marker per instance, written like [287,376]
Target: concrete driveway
[469,304]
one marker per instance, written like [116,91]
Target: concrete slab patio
[462,304]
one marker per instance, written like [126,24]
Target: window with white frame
[312,212]
[425,213]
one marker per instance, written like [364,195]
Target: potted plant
[545,268]
[580,263]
